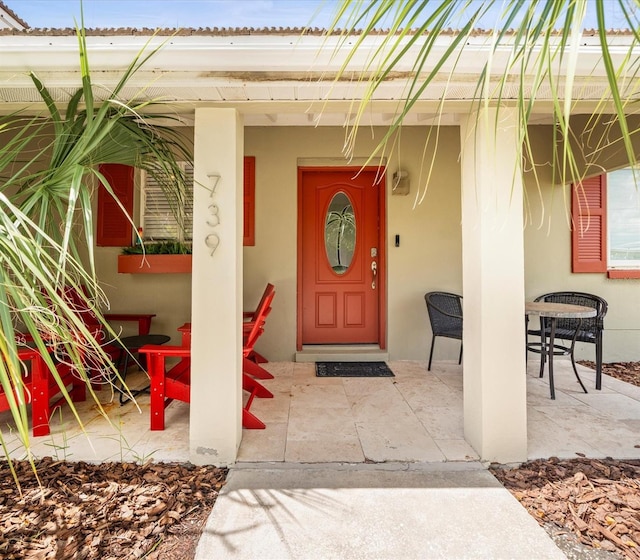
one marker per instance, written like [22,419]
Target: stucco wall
[166,295]
[548,254]
[429,255]
[428,258]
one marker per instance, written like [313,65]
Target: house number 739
[212,240]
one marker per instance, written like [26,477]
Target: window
[166,217]
[606,225]
[623,209]
[158,219]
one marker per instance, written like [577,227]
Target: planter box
[154,264]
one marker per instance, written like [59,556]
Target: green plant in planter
[159,248]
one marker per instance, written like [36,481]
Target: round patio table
[553,312]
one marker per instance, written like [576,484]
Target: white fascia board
[260,53]
[254,53]
[193,53]
[233,69]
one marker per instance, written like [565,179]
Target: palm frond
[535,44]
[48,172]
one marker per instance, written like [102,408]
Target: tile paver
[357,419]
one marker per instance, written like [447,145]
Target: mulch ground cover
[105,511]
[158,510]
[626,371]
[595,501]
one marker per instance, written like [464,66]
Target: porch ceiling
[274,80]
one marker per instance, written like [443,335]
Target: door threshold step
[342,353]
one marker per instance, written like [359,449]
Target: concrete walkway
[370,511]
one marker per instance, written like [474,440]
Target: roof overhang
[10,20]
[280,79]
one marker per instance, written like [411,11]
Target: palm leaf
[541,40]
[46,218]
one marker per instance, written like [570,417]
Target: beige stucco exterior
[429,256]
[548,246]
[251,95]
[429,233]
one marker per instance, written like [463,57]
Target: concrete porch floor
[413,417]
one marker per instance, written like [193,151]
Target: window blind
[167,215]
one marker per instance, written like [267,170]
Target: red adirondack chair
[165,386]
[252,316]
[38,386]
[176,382]
[249,384]
[252,330]
[112,348]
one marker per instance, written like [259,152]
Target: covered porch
[469,236]
[416,416]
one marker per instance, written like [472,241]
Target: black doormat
[353,369]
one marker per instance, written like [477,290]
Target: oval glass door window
[340,233]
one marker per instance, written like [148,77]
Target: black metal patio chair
[445,316]
[588,330]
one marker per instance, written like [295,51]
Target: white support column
[495,400]
[215,427]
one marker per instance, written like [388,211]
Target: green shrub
[159,248]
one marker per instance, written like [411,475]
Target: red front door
[340,256]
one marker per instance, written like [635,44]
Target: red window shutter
[114,228]
[589,223]
[249,238]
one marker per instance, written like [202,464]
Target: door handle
[374,273]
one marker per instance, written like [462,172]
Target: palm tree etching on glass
[340,233]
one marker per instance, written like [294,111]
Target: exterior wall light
[400,184]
